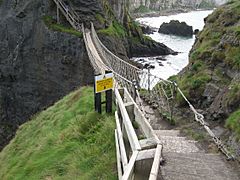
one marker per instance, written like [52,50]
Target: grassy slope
[209,51]
[66,141]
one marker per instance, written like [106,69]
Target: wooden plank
[148,143]
[118,156]
[156,163]
[128,104]
[128,173]
[146,154]
[132,137]
[121,143]
[141,120]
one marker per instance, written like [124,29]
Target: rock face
[37,65]
[147,30]
[149,48]
[158,5]
[176,28]
[211,81]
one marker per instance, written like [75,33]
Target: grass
[66,141]
[211,50]
[115,29]
[100,18]
[233,123]
[233,95]
[142,9]
[197,136]
[52,24]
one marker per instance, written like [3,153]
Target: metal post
[108,98]
[109,101]
[97,100]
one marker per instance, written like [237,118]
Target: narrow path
[185,159]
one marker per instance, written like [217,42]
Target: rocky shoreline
[166,12]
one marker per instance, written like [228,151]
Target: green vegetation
[100,18]
[115,29]
[52,24]
[233,95]
[233,57]
[197,136]
[108,9]
[206,4]
[215,45]
[233,122]
[66,141]
[142,9]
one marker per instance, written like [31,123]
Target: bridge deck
[184,160]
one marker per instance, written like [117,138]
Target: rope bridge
[160,92]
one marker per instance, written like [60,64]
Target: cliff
[41,60]
[158,5]
[212,79]
[38,65]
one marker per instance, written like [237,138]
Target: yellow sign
[103,82]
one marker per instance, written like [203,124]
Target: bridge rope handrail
[137,73]
[198,117]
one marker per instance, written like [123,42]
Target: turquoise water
[173,64]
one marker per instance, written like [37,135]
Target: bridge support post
[148,79]
[58,18]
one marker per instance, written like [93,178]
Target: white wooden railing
[143,145]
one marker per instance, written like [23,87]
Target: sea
[170,64]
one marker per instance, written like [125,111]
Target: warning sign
[103,82]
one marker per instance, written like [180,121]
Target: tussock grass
[115,29]
[66,141]
[52,24]
[233,123]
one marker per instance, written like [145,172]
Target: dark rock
[146,29]
[160,59]
[196,31]
[148,66]
[176,28]
[160,64]
[210,92]
[148,48]
[38,66]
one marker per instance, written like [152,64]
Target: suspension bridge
[141,153]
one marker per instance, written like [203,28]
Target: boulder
[147,30]
[196,31]
[176,28]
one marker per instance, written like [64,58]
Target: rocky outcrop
[147,29]
[149,48]
[176,28]
[37,65]
[158,5]
[211,81]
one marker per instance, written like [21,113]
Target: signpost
[103,83]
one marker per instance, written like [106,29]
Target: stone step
[167,132]
[178,145]
[196,166]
